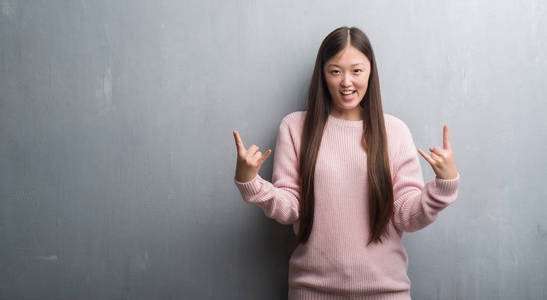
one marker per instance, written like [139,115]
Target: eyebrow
[340,67]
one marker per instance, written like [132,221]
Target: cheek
[363,84]
[333,86]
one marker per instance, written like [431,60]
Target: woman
[348,178]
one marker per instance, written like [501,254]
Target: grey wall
[117,156]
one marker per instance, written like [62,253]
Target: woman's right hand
[249,160]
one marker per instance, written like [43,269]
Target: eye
[334,71]
[358,70]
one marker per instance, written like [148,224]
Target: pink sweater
[336,262]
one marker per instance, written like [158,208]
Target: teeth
[347,93]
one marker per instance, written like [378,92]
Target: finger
[425,156]
[239,143]
[257,156]
[252,150]
[446,139]
[436,157]
[437,151]
[265,156]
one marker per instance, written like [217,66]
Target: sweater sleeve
[280,200]
[417,205]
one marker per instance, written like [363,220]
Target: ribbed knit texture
[336,263]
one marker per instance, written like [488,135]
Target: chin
[348,105]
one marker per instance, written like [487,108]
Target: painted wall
[117,156]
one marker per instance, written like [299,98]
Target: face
[348,70]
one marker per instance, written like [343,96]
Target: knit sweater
[336,263]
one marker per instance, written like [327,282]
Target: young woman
[348,178]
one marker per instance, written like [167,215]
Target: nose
[346,81]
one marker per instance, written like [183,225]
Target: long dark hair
[374,139]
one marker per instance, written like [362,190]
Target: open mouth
[348,96]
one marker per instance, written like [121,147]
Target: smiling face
[347,71]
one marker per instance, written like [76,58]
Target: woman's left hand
[442,159]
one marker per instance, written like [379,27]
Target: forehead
[349,57]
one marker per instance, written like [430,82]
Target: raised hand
[249,160]
[442,159]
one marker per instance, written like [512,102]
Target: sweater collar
[344,123]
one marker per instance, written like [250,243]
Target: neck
[353,115]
